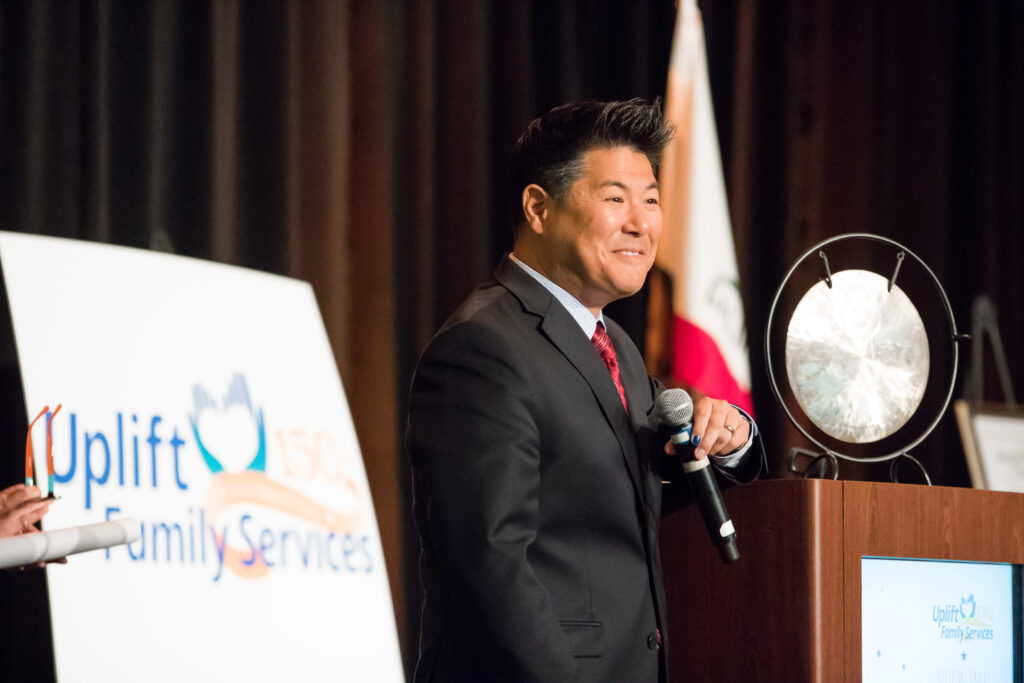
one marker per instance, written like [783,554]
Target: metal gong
[857,356]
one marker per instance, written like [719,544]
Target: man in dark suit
[536,461]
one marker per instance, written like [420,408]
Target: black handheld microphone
[674,409]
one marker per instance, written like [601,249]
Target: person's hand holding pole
[21,507]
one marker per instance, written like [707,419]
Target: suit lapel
[633,376]
[637,385]
[563,331]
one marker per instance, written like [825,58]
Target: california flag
[702,342]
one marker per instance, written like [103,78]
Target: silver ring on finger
[732,430]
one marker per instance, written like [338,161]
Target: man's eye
[652,200]
[615,199]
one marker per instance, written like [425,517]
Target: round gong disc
[857,357]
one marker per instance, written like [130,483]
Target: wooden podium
[789,609]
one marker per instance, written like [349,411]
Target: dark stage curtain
[894,118]
[363,146]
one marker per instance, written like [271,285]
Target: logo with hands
[233,436]
[967,606]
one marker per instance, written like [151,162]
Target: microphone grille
[673,407]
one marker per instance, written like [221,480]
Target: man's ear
[536,203]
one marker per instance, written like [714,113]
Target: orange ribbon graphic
[228,489]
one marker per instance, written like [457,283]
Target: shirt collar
[580,313]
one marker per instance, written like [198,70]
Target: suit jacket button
[652,641]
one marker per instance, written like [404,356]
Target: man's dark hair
[550,152]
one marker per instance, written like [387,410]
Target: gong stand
[857,361]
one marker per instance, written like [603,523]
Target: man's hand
[718,428]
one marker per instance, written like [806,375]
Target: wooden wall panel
[899,520]
[789,609]
[776,614]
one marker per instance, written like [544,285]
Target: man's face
[600,242]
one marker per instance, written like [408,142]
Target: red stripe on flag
[697,361]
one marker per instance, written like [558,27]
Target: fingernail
[696,441]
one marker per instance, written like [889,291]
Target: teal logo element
[964,603]
[237,396]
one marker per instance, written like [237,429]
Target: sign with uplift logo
[927,620]
[202,400]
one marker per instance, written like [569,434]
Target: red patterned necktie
[603,343]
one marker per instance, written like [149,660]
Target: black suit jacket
[535,495]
